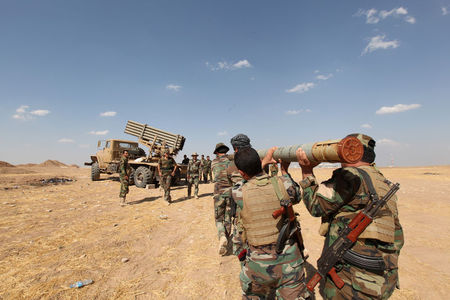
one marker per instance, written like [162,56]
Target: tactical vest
[259,202]
[383,226]
[194,168]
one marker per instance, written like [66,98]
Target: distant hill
[74,166]
[4,164]
[52,163]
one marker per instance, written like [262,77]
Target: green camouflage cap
[219,146]
[366,140]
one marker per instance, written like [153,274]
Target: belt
[364,261]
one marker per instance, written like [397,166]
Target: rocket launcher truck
[143,165]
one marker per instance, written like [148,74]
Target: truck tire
[95,172]
[142,177]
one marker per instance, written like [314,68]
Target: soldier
[202,165]
[185,160]
[124,172]
[266,270]
[166,169]
[207,169]
[219,166]
[193,175]
[239,141]
[374,274]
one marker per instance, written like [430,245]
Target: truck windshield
[127,146]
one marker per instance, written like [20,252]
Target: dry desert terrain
[53,234]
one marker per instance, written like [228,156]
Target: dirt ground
[52,235]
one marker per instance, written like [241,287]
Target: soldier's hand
[172,174]
[303,160]
[268,159]
[160,174]
[126,177]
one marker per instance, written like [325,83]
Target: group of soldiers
[167,167]
[247,193]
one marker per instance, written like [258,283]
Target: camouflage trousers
[165,182]
[123,187]
[205,174]
[193,181]
[266,273]
[362,284]
[236,239]
[222,214]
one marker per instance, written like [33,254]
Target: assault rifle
[290,229]
[348,237]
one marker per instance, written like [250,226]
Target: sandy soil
[53,235]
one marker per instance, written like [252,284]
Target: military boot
[122,201]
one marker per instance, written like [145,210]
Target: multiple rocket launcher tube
[347,150]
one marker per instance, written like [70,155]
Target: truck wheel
[142,177]
[95,172]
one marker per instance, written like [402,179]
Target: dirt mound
[52,163]
[15,170]
[26,165]
[74,166]
[4,164]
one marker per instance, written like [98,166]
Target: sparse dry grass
[42,252]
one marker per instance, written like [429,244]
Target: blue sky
[283,72]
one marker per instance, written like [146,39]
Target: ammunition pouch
[364,261]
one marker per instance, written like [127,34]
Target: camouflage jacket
[123,166]
[207,164]
[166,165]
[339,199]
[233,174]
[193,169]
[219,167]
[293,191]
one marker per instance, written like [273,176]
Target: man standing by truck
[123,175]
[166,169]
[193,175]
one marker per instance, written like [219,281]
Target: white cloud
[324,77]
[40,112]
[222,133]
[224,65]
[410,20]
[104,132]
[316,71]
[108,114]
[297,111]
[373,16]
[393,12]
[387,142]
[173,87]
[444,10]
[379,42]
[22,113]
[22,109]
[242,64]
[66,140]
[396,108]
[301,88]
[293,112]
[366,126]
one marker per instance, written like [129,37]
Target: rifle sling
[372,193]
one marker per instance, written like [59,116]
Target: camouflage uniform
[166,165]
[222,193]
[207,170]
[338,200]
[193,172]
[123,172]
[264,271]
[273,170]
[234,177]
